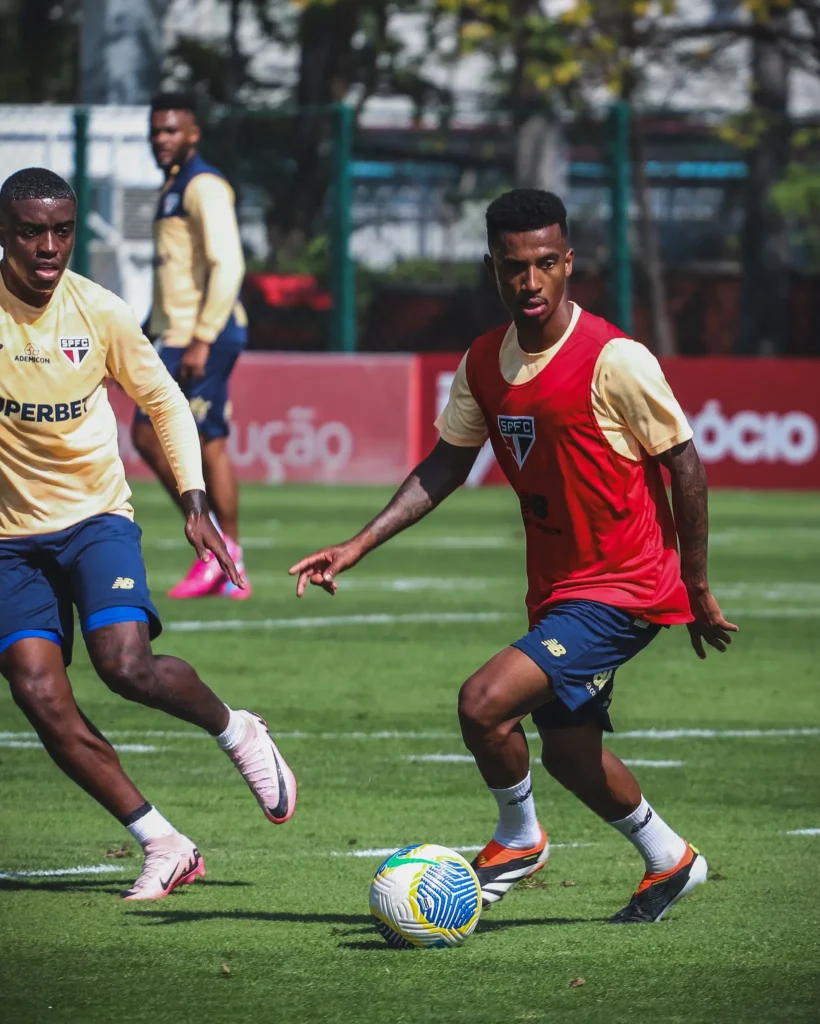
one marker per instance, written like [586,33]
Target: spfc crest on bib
[519,436]
[75,349]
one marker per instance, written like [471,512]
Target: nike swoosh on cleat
[281,809]
[171,877]
[191,866]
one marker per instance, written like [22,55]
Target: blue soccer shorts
[580,645]
[95,565]
[208,396]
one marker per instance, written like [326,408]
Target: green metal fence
[387,221]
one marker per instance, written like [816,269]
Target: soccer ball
[425,895]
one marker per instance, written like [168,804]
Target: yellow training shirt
[59,461]
[199,264]
[631,399]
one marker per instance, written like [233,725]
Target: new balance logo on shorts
[644,823]
[555,649]
[123,583]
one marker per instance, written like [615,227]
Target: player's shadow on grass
[527,922]
[98,885]
[166,917]
[483,928]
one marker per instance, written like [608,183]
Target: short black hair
[34,183]
[175,101]
[525,209]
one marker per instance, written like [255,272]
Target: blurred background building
[684,136]
[364,140]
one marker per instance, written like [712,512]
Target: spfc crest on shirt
[170,202]
[75,350]
[518,433]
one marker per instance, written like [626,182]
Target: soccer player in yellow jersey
[197,319]
[67,535]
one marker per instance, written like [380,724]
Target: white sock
[234,731]
[518,826]
[150,826]
[660,846]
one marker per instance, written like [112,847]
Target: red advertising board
[756,421]
[323,418]
[369,418]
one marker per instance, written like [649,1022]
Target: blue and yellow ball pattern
[425,895]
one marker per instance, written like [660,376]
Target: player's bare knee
[478,708]
[556,760]
[129,673]
[36,693]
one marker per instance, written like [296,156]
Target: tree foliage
[40,51]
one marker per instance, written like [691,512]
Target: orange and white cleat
[658,893]
[498,867]
[169,861]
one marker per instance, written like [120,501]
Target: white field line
[173,543]
[739,534]
[394,734]
[397,585]
[466,543]
[468,759]
[734,591]
[385,851]
[34,744]
[803,832]
[82,869]
[420,618]
[315,622]
[712,734]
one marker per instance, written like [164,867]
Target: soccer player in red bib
[581,420]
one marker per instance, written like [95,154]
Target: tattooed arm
[442,472]
[690,507]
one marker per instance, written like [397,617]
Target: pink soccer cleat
[264,769]
[228,588]
[169,861]
[203,578]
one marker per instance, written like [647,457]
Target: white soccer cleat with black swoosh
[169,861]
[264,769]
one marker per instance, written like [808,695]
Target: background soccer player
[67,535]
[581,419]
[198,319]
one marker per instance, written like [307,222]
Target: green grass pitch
[280,930]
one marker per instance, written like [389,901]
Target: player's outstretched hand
[709,624]
[204,537]
[322,568]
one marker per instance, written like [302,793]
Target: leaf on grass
[531,883]
[119,852]
[569,884]
[225,970]
[577,983]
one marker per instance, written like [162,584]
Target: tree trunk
[663,337]
[325,34]
[765,286]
